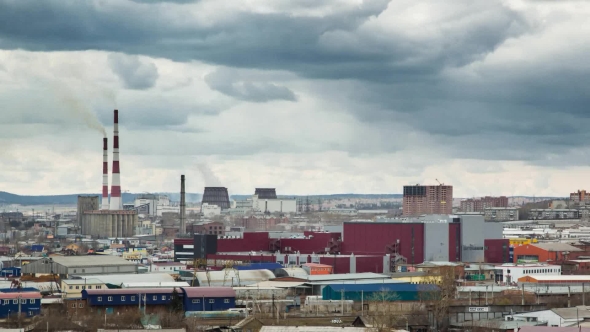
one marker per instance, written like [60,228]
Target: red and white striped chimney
[116,201]
[105,175]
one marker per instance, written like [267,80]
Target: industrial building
[544,252]
[64,266]
[419,200]
[376,292]
[110,220]
[86,203]
[266,193]
[109,223]
[216,196]
[480,204]
[428,238]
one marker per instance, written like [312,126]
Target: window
[73,305]
[14,301]
[83,287]
[77,287]
[98,287]
[110,298]
[211,301]
[23,301]
[226,301]
[155,298]
[99,299]
[81,305]
[71,287]
[31,301]
[6,301]
[83,270]
[122,298]
[196,301]
[133,298]
[89,287]
[163,297]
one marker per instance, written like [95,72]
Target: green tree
[176,302]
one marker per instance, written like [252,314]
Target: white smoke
[208,176]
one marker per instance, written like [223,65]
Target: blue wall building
[193,298]
[208,298]
[380,292]
[28,304]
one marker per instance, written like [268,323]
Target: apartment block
[429,199]
[480,204]
[501,214]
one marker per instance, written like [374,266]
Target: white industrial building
[509,273]
[210,210]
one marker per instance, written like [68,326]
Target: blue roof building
[381,292]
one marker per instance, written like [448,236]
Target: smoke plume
[83,112]
[208,176]
[78,109]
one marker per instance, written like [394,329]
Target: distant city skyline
[307,97]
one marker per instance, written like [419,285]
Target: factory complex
[246,263]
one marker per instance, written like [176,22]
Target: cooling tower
[216,196]
[105,175]
[116,200]
[266,193]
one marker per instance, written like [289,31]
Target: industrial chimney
[182,207]
[116,201]
[105,175]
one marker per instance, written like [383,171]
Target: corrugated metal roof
[406,287]
[247,277]
[117,279]
[91,260]
[561,278]
[555,246]
[194,292]
[346,276]
[277,284]
[29,295]
[132,291]
[316,328]
[154,284]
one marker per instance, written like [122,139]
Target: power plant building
[109,223]
[113,222]
[86,203]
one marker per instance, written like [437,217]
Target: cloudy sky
[308,96]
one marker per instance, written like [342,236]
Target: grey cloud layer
[420,64]
[135,74]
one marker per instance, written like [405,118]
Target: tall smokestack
[182,207]
[105,175]
[116,201]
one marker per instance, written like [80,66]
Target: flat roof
[91,260]
[345,276]
[555,246]
[561,278]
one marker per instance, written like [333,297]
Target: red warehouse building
[544,252]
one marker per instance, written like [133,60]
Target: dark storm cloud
[228,83]
[134,73]
[401,73]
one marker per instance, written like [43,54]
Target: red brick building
[480,204]
[215,228]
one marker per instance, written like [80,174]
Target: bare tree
[438,293]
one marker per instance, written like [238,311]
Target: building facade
[480,204]
[419,200]
[501,214]
[109,223]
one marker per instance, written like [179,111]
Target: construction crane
[229,266]
[201,263]
[441,184]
